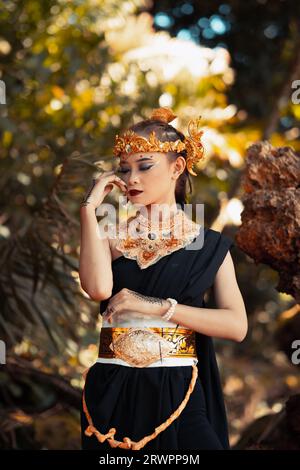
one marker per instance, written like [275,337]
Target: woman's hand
[100,187]
[127,299]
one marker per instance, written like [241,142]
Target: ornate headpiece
[130,142]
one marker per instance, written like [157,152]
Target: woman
[156,384]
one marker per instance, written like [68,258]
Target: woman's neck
[159,213]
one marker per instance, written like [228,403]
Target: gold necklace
[143,221]
[147,247]
[153,230]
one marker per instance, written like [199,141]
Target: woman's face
[151,173]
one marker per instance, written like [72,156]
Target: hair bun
[163,114]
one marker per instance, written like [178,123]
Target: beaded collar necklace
[147,242]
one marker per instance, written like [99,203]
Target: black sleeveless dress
[137,400]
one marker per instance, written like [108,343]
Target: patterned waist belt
[140,347]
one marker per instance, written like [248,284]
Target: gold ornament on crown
[130,142]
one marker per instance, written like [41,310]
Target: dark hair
[165,132]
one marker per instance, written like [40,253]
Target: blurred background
[75,73]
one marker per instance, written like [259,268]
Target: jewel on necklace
[151,236]
[166,234]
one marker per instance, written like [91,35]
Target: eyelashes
[141,169]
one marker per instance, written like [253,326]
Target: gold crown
[130,142]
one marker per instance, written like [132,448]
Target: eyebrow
[139,160]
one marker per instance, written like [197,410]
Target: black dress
[137,400]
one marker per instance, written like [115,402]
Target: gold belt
[140,347]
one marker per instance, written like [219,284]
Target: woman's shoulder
[215,234]
[210,240]
[217,241]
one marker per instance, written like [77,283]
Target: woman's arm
[95,271]
[228,296]
[228,321]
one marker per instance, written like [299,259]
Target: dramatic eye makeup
[141,168]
